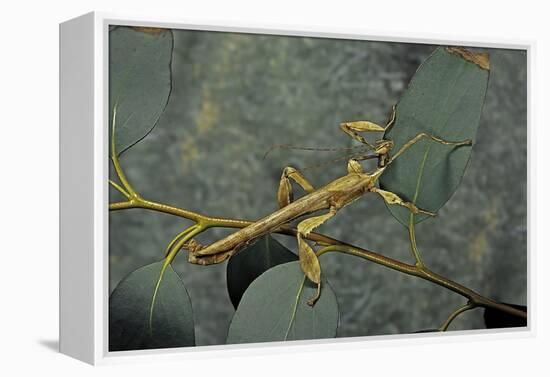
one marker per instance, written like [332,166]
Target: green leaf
[444,98]
[132,323]
[140,81]
[251,262]
[274,308]
[496,319]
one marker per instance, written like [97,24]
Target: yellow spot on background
[209,113]
[189,153]
[480,245]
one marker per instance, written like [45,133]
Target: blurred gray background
[236,95]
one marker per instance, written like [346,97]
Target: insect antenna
[357,156]
[319,149]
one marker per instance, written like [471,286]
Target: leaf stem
[175,239]
[456,313]
[119,188]
[116,163]
[191,232]
[412,240]
[295,309]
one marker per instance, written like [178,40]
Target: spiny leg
[284,194]
[422,135]
[352,128]
[308,259]
[391,198]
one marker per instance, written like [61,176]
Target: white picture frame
[84,291]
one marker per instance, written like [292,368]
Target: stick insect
[332,197]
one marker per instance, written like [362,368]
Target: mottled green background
[235,95]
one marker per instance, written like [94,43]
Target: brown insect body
[338,193]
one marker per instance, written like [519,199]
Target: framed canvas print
[224,187]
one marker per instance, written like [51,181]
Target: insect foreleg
[391,198]
[308,259]
[423,135]
[352,128]
[284,194]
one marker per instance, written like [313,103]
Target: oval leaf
[251,262]
[444,98]
[131,325]
[496,319]
[140,81]
[274,308]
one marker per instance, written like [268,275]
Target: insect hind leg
[392,198]
[308,259]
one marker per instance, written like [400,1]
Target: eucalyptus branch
[213,222]
[424,273]
[330,244]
